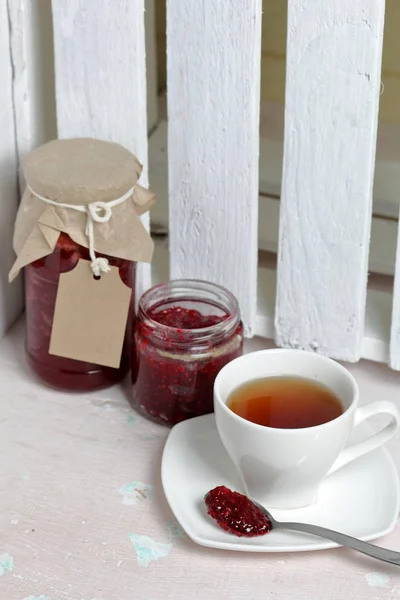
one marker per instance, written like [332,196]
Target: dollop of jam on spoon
[241,516]
[235,513]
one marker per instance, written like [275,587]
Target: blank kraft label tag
[90,316]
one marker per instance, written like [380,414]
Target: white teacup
[283,468]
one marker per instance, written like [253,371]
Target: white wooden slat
[100,62]
[213,113]
[11,296]
[31,49]
[27,118]
[375,344]
[386,198]
[332,95]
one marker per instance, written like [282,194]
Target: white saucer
[362,499]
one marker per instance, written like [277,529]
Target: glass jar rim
[185,289]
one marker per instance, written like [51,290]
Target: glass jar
[41,283]
[186,331]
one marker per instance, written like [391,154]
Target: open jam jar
[41,283]
[186,331]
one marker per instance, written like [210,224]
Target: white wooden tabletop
[83,515]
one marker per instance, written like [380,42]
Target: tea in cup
[285,417]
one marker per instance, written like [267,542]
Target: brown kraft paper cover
[79,172]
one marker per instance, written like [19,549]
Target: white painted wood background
[382,252]
[33,73]
[214,142]
[332,96]
[213,109]
[100,60]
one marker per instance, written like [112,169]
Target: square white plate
[362,499]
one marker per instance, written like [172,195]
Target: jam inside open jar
[41,285]
[186,331]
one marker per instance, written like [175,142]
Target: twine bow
[96,212]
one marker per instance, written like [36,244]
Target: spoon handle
[342,539]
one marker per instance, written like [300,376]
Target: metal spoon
[342,539]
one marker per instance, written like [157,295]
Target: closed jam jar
[186,331]
[41,283]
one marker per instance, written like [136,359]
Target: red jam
[235,513]
[41,282]
[186,332]
[184,318]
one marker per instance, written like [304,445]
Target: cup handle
[376,439]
